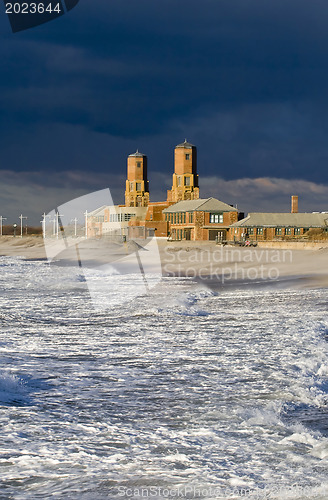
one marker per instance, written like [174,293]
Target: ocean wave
[13,389]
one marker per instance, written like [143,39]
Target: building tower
[185,178]
[137,185]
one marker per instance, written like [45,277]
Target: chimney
[294,205]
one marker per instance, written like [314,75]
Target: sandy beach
[199,260]
[30,247]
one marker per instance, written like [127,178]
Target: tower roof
[137,154]
[185,145]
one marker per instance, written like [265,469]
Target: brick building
[183,215]
[202,219]
[277,226]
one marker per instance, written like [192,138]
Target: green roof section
[258,219]
[211,205]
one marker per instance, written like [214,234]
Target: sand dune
[30,247]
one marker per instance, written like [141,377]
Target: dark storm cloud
[244,80]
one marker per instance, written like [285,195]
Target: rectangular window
[260,230]
[187,156]
[138,164]
[216,218]
[191,217]
[128,217]
[297,231]
[138,186]
[288,230]
[187,181]
[278,231]
[179,181]
[184,217]
[251,230]
[131,186]
[175,218]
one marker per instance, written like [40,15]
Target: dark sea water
[182,393]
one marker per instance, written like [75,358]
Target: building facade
[202,219]
[186,216]
[113,220]
[277,226]
[182,216]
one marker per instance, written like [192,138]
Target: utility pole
[86,224]
[75,226]
[21,224]
[43,222]
[54,226]
[57,223]
[1,223]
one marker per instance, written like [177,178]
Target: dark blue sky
[244,80]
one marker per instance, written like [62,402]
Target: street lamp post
[15,227]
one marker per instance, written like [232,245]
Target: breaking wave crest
[13,389]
